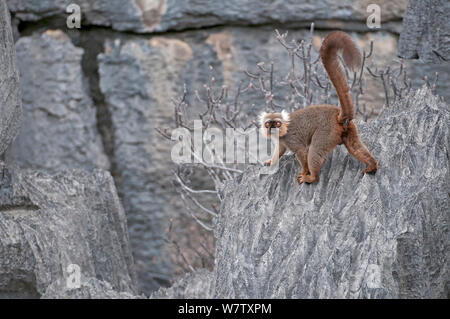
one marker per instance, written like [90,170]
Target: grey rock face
[59,130]
[426,31]
[162,15]
[188,14]
[119,14]
[137,79]
[418,71]
[10,98]
[48,222]
[349,235]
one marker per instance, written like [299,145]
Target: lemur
[312,132]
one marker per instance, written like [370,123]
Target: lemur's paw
[370,170]
[304,173]
[306,179]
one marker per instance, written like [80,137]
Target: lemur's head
[273,121]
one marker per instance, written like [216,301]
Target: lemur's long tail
[333,44]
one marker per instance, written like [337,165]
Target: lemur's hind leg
[357,148]
[321,144]
[316,158]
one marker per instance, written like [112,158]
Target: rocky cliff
[59,129]
[143,16]
[60,233]
[10,98]
[349,235]
[426,31]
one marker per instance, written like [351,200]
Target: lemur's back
[317,119]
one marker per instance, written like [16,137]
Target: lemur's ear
[285,116]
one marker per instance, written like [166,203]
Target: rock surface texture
[59,128]
[349,235]
[134,80]
[426,31]
[52,224]
[10,98]
[195,285]
[144,16]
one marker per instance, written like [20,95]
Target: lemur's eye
[278,124]
[267,124]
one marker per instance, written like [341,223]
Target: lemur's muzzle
[273,124]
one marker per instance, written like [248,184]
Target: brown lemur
[311,133]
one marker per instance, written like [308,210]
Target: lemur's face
[271,122]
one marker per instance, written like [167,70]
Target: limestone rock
[59,128]
[196,285]
[426,31]
[138,78]
[10,95]
[145,16]
[349,235]
[56,227]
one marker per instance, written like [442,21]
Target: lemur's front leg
[277,153]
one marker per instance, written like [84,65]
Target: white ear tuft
[262,118]
[285,115]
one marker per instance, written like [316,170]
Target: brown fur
[334,43]
[311,133]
